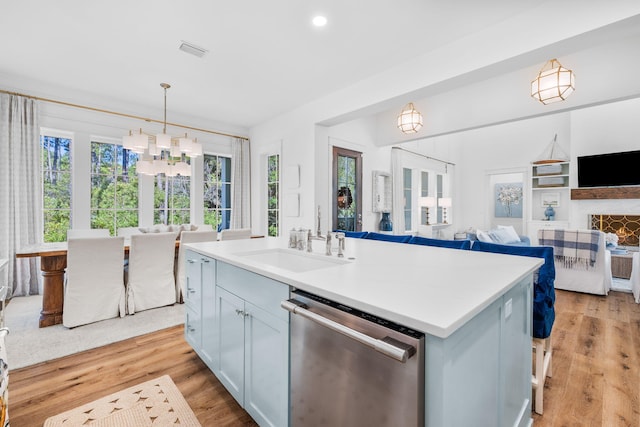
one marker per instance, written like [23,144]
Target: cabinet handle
[205,260]
[191,261]
[191,290]
[191,328]
[242,313]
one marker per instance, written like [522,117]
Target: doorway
[347,189]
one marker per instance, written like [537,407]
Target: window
[217,191]
[424,192]
[114,187]
[56,183]
[407,178]
[273,191]
[172,199]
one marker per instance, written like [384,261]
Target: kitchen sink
[292,260]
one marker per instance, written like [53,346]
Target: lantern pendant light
[409,119]
[554,83]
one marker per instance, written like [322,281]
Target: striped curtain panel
[241,196]
[20,191]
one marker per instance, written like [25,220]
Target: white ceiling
[265,57]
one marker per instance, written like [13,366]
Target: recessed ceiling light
[319,21]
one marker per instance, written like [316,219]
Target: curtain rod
[115,113]
[423,155]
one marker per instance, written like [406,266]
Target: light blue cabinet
[481,374]
[235,324]
[199,299]
[254,343]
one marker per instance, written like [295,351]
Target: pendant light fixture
[554,83]
[162,153]
[409,119]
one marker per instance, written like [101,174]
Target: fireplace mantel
[605,193]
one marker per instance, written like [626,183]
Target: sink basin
[292,260]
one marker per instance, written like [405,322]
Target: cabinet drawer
[259,290]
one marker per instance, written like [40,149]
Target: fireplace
[626,227]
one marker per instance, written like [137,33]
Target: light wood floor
[596,362]
[46,389]
[596,371]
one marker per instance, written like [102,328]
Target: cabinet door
[193,285]
[230,314]
[192,328]
[209,322]
[266,396]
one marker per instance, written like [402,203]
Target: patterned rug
[153,403]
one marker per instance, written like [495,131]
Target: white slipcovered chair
[204,227]
[189,237]
[75,233]
[238,233]
[150,281]
[127,232]
[574,271]
[94,287]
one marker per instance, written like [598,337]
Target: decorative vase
[385,222]
[550,213]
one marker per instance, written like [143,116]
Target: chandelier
[162,153]
[554,83]
[409,119]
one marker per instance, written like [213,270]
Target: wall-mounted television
[609,170]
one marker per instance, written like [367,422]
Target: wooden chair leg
[542,369]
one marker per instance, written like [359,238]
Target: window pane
[102,192]
[102,158]
[127,192]
[57,190]
[272,190]
[56,224]
[217,190]
[55,156]
[103,218]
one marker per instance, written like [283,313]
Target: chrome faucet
[328,252]
[340,237]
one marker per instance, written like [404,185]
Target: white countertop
[433,290]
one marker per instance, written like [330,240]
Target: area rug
[27,344]
[153,403]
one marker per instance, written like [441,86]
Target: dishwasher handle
[388,346]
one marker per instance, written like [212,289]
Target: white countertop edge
[298,280]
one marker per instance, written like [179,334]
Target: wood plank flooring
[596,362]
[596,371]
[46,389]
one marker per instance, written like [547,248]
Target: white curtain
[241,198]
[20,191]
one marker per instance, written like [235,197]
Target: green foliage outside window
[273,186]
[217,191]
[172,200]
[114,187]
[56,178]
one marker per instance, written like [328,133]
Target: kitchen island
[475,309]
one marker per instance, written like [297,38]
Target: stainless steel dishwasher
[350,368]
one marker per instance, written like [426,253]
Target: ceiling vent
[193,49]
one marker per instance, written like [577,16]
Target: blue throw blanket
[572,247]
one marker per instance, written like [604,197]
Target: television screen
[609,170]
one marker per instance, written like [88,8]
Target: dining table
[53,262]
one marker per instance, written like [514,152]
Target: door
[266,396]
[347,189]
[230,314]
